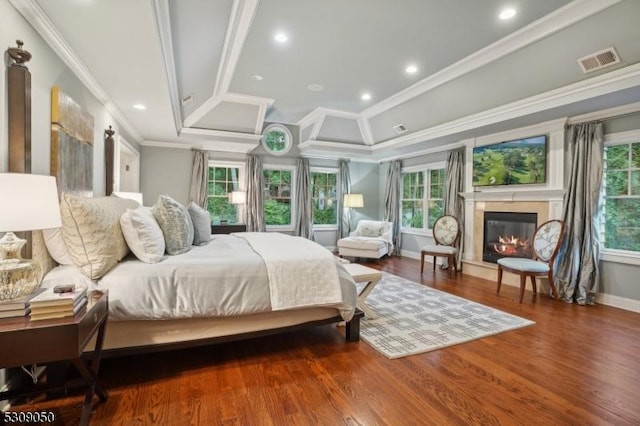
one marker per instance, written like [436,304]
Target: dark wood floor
[576,366]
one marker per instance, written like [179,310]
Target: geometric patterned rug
[413,318]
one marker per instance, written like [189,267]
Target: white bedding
[223,278]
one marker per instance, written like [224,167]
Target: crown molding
[543,27]
[427,151]
[335,146]
[606,113]
[365,130]
[620,79]
[163,23]
[309,119]
[160,144]
[202,110]
[39,20]
[532,130]
[209,145]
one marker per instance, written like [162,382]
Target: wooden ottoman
[370,276]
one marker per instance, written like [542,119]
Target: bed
[234,287]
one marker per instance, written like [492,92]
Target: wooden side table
[370,276]
[26,342]
[228,229]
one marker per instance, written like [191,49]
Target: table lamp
[29,202]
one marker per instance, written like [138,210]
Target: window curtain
[578,273]
[344,188]
[255,194]
[199,176]
[453,202]
[392,200]
[304,200]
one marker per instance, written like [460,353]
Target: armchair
[371,239]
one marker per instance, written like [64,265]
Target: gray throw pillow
[201,224]
[175,222]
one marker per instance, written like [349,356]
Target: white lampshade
[353,200]
[238,197]
[29,202]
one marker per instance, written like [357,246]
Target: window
[323,191]
[278,189]
[277,139]
[422,197]
[621,192]
[223,179]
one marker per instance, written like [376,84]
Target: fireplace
[508,234]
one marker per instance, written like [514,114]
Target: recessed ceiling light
[281,38]
[365,96]
[256,77]
[140,107]
[315,87]
[411,69]
[507,13]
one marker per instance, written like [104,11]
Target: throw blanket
[312,265]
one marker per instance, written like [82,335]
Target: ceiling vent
[596,61]
[187,99]
[400,128]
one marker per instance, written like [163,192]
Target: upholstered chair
[446,232]
[546,243]
[371,239]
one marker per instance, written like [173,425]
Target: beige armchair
[371,239]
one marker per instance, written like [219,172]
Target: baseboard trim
[602,298]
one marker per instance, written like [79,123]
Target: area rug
[413,318]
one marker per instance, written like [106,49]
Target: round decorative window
[277,139]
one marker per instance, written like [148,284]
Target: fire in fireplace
[508,234]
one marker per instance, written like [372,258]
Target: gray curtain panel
[343,188]
[255,194]
[453,202]
[304,198]
[578,273]
[199,176]
[392,200]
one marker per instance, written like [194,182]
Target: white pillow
[143,234]
[56,246]
[201,224]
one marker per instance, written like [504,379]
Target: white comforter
[223,278]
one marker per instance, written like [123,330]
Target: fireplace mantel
[520,195]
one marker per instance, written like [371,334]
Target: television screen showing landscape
[508,163]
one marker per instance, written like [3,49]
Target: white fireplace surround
[547,198]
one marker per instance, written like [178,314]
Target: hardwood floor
[576,366]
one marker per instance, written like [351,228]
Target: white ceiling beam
[208,133]
[559,19]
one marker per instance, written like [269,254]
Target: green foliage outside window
[323,191]
[221,182]
[621,188]
[414,198]
[275,140]
[277,197]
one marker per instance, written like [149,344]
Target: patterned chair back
[546,240]
[446,230]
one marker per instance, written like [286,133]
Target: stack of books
[15,308]
[50,305]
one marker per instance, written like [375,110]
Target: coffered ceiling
[211,73]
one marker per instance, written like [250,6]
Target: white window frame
[294,201]
[615,255]
[424,168]
[333,170]
[241,182]
[288,139]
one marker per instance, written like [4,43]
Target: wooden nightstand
[227,229]
[26,342]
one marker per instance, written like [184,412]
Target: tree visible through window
[323,190]
[621,190]
[422,198]
[277,197]
[222,181]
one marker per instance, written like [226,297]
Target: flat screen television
[521,161]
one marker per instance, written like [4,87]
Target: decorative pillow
[92,233]
[370,230]
[143,234]
[175,222]
[56,247]
[201,224]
